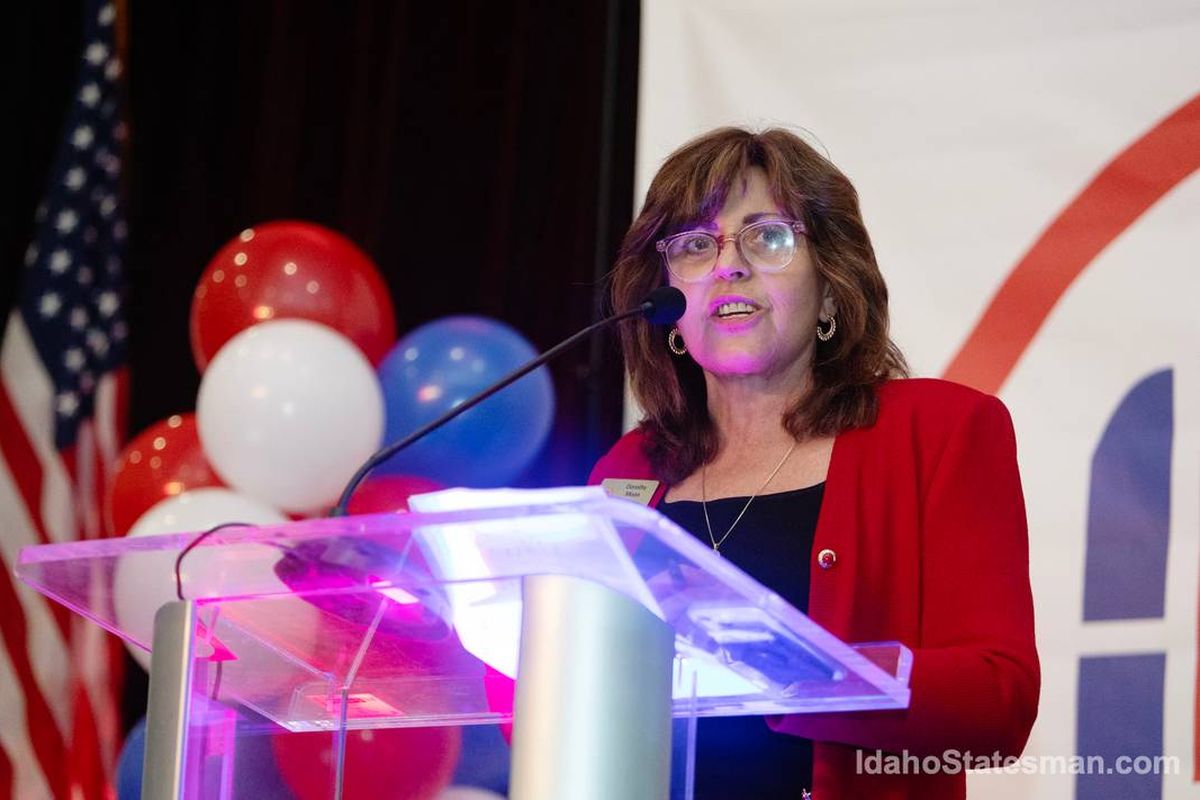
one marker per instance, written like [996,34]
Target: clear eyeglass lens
[692,254]
[769,245]
[766,245]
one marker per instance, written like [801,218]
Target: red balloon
[162,461]
[293,270]
[380,494]
[400,763]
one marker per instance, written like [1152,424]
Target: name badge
[639,491]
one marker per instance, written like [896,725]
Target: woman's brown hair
[690,188]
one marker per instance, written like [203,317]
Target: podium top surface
[414,619]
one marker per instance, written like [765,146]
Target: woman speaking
[784,434]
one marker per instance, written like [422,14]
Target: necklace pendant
[716,543]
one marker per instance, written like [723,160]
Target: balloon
[287,411]
[380,494]
[400,763]
[163,461]
[129,763]
[145,581]
[291,270]
[441,364]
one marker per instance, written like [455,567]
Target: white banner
[1028,173]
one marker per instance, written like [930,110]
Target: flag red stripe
[95,493]
[68,457]
[43,733]
[121,422]
[25,465]
[6,775]
[95,498]
[86,767]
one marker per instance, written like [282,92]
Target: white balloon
[287,411]
[145,581]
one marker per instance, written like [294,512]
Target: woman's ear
[828,304]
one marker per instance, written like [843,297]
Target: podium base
[592,715]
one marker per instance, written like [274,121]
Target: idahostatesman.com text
[952,762]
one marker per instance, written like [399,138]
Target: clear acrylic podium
[611,619]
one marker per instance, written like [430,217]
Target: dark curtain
[41,45]
[481,153]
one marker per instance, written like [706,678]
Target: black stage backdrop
[463,146]
[481,153]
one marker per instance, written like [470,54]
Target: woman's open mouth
[729,311]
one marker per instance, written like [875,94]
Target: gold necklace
[716,543]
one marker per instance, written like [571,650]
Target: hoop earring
[675,342]
[826,335]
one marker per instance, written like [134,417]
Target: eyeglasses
[769,245]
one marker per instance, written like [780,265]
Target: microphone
[662,306]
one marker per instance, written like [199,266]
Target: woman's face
[776,339]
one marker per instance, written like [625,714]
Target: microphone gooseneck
[662,306]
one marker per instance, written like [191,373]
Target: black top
[740,756]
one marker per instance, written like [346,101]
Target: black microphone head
[664,305]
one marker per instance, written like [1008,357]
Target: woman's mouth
[734,311]
[733,315]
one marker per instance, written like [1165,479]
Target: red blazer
[925,514]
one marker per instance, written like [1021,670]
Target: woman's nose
[730,264]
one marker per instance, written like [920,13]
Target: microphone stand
[647,308]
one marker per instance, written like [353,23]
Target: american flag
[62,389]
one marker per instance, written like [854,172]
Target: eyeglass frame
[662,244]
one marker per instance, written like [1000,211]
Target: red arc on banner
[1124,190]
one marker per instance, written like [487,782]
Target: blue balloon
[129,763]
[443,363]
